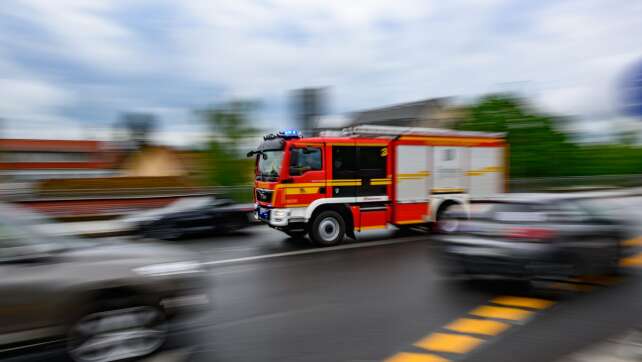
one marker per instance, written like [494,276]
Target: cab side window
[305,159]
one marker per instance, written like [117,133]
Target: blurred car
[530,235]
[103,301]
[190,216]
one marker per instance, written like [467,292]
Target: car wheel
[106,334]
[328,229]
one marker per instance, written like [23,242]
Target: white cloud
[30,104]
[431,49]
[84,31]
[565,55]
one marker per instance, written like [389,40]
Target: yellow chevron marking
[451,343]
[478,326]
[513,314]
[415,357]
[534,303]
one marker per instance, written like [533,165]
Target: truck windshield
[269,164]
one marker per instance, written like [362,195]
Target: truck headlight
[280,213]
[183,267]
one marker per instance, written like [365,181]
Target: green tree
[537,149]
[230,126]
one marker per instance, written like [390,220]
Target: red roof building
[37,158]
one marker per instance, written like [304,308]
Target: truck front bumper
[280,217]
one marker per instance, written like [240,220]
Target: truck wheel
[443,223]
[328,229]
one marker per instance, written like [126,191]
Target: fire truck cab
[371,177]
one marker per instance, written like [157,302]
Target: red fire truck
[371,177]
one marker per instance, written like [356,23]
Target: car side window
[565,212]
[517,213]
[10,243]
[305,159]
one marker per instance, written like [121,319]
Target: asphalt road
[278,299]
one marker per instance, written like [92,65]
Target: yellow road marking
[512,314]
[633,242]
[523,302]
[478,326]
[451,343]
[635,260]
[415,357]
[446,342]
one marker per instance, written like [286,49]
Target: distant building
[156,161]
[35,159]
[432,113]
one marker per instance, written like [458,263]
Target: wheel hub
[329,228]
[115,335]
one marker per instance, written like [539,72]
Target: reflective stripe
[484,171]
[301,190]
[416,221]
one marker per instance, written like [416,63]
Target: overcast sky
[69,67]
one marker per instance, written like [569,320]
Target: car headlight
[183,267]
[280,213]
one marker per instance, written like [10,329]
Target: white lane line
[318,250]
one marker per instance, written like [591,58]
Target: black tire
[440,226]
[151,327]
[328,229]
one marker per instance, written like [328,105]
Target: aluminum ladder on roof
[393,131]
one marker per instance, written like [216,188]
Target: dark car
[531,235]
[102,301]
[190,216]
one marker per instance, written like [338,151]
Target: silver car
[104,301]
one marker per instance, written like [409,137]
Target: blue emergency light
[290,133]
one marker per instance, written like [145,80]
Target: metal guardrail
[569,183]
[515,185]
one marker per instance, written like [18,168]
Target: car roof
[537,198]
